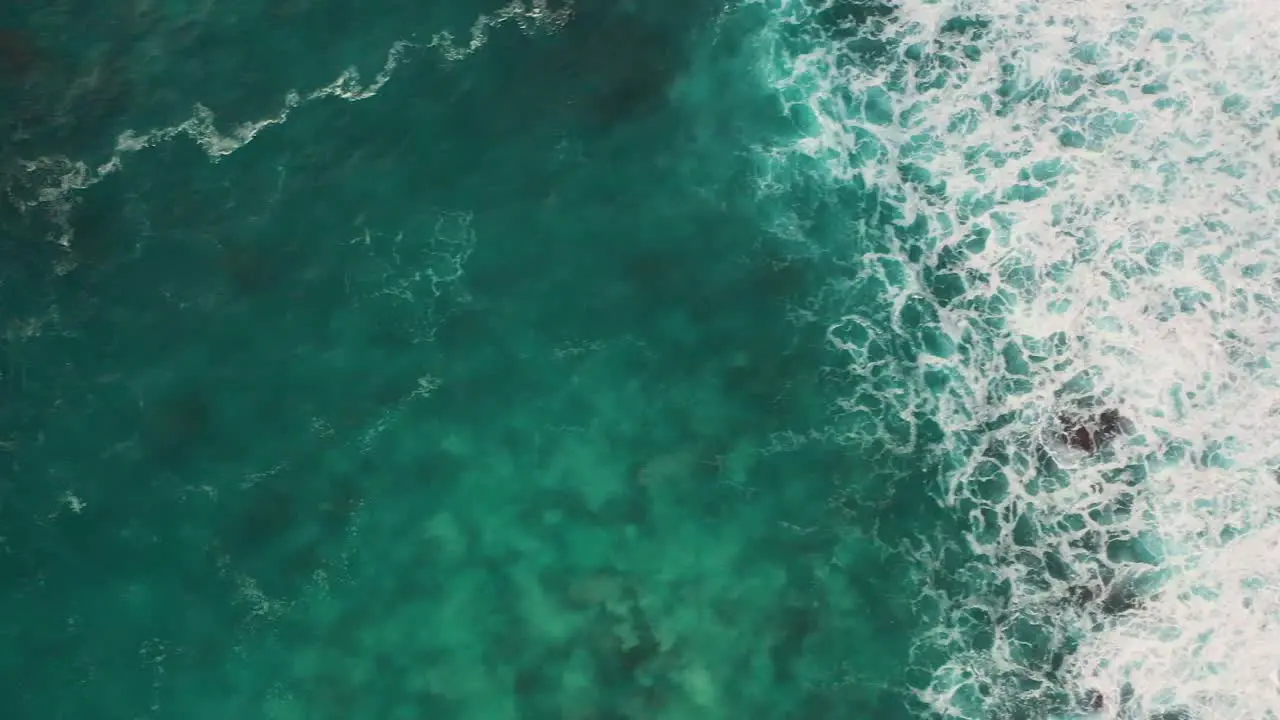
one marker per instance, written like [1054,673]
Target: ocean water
[613,360]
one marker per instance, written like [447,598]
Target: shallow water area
[479,381]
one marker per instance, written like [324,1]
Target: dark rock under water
[1092,432]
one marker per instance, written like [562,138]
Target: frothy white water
[1104,177]
[50,183]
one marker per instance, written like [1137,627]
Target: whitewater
[1098,183]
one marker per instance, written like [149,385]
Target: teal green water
[506,392]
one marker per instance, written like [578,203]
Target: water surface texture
[611,360]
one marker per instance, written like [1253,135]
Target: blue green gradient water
[503,393]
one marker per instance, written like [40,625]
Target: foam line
[55,178]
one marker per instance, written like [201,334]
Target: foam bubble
[1085,219]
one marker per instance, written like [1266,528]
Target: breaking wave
[1075,233]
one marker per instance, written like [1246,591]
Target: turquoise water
[410,360]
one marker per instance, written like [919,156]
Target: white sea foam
[1123,157]
[50,183]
